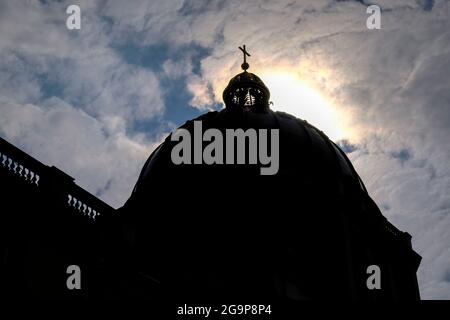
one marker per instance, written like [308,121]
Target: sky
[96,101]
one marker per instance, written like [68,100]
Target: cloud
[99,154]
[73,93]
[70,100]
[177,69]
[394,84]
[201,96]
[402,155]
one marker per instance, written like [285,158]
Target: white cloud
[70,100]
[393,82]
[201,96]
[102,158]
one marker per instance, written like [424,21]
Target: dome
[219,213]
[306,153]
[228,230]
[228,223]
[246,89]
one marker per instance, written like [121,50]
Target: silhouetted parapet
[17,162]
[26,170]
[48,223]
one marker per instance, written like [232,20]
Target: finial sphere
[245,66]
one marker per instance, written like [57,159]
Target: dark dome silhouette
[221,230]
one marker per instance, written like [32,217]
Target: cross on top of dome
[245,65]
[246,89]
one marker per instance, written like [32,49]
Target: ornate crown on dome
[246,89]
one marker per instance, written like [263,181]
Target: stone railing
[26,170]
[20,164]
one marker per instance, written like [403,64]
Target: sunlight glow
[289,94]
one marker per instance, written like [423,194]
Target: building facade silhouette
[208,232]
